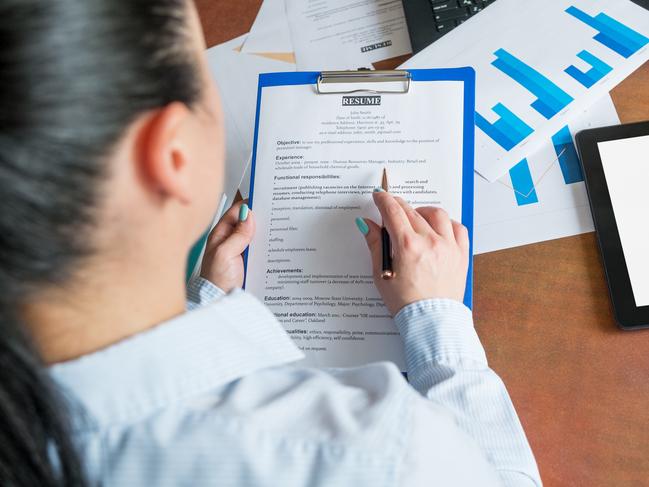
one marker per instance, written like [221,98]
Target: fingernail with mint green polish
[362,226]
[243,213]
[379,190]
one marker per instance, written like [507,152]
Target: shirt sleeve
[201,292]
[447,364]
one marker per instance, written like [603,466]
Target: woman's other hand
[430,252]
[223,260]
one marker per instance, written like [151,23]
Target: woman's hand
[431,253]
[223,260]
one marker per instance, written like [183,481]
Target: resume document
[318,159]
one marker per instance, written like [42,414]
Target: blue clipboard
[464,75]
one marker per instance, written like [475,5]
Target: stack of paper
[236,75]
[544,71]
[270,32]
[539,65]
[541,198]
[330,34]
[339,34]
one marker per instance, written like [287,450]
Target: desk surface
[581,387]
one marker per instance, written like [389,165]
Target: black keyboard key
[428,20]
[459,13]
[444,6]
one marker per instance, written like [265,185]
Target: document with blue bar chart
[538,66]
[316,161]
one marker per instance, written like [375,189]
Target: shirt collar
[189,355]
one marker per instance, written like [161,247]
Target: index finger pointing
[395,219]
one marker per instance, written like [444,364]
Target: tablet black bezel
[627,315]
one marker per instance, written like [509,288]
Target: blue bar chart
[508,131]
[613,34]
[535,75]
[598,69]
[523,184]
[551,99]
[567,154]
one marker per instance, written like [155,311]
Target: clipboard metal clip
[396,81]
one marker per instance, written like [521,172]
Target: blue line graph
[550,98]
[598,70]
[523,184]
[508,131]
[567,154]
[613,34]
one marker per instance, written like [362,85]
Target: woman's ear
[163,155]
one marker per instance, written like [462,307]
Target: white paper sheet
[217,215]
[549,39]
[270,31]
[244,186]
[237,75]
[562,209]
[344,34]
[317,164]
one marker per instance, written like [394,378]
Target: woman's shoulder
[337,404]
[282,425]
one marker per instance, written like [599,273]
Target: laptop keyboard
[449,14]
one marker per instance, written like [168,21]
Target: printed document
[552,206]
[318,159]
[539,65]
[344,34]
[270,32]
[236,75]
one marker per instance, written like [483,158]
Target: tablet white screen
[626,167]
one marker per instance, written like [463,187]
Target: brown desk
[581,386]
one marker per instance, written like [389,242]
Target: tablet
[615,162]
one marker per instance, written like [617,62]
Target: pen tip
[384,181]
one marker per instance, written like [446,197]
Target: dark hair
[73,75]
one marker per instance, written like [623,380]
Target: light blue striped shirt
[217,397]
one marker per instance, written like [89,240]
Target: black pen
[386,245]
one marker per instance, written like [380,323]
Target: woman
[111,161]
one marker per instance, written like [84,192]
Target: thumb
[240,237]
[372,234]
